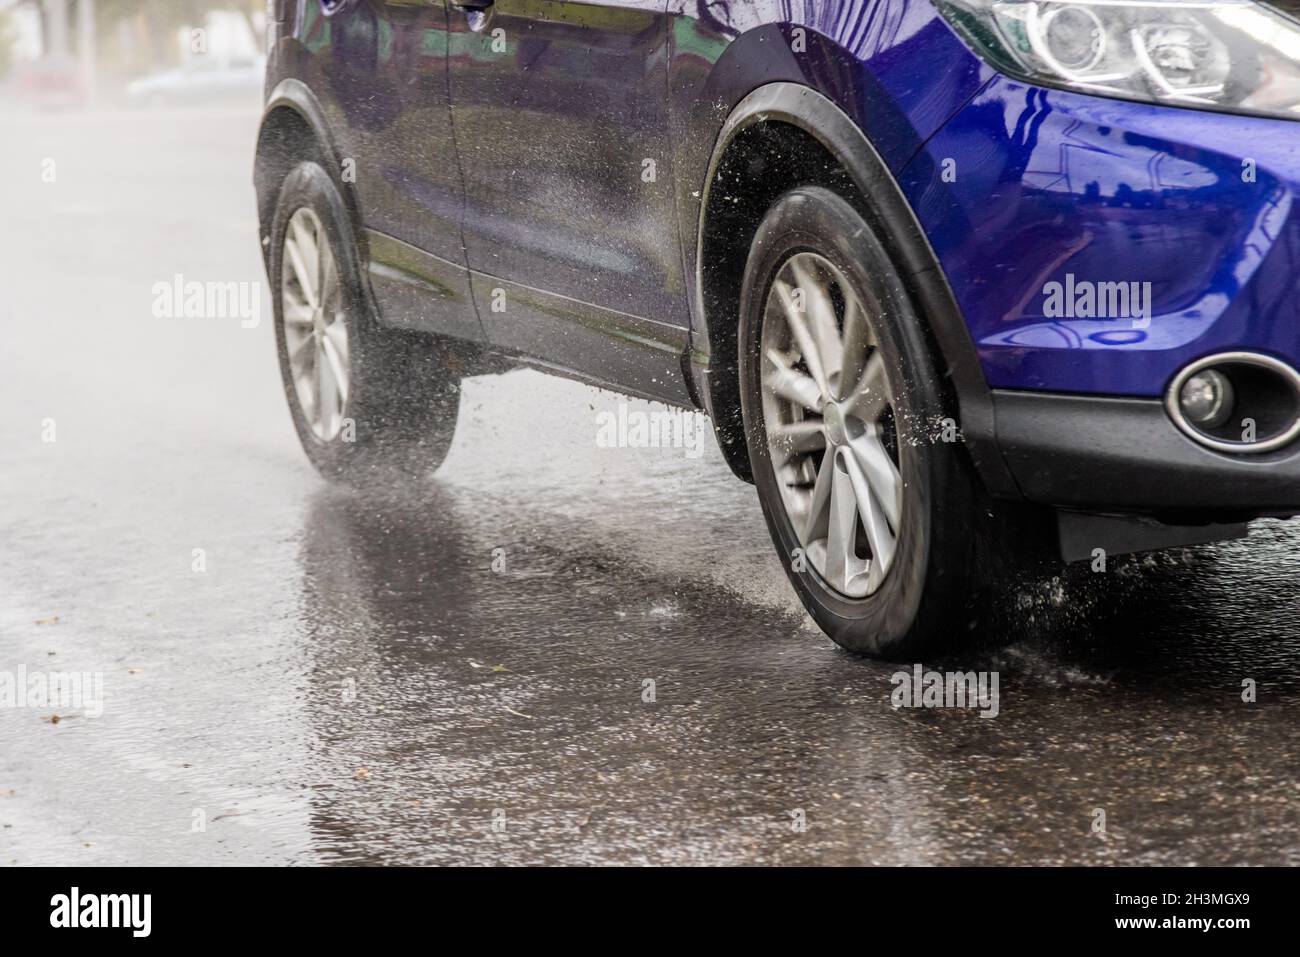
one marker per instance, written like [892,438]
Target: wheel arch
[294,128]
[786,134]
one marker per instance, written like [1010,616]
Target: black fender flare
[297,96]
[293,94]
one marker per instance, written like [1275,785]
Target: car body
[602,165]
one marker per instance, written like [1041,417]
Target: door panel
[385,64]
[560,115]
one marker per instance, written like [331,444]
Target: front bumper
[1047,209]
[1124,455]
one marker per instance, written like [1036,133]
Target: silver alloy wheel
[315,332]
[828,409]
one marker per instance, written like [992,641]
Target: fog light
[1243,403]
[1207,399]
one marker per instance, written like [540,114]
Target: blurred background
[74,54]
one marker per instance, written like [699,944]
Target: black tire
[925,600]
[404,400]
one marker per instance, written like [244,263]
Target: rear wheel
[873,512]
[365,399]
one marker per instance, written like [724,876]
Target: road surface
[459,674]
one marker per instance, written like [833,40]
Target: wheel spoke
[329,281]
[301,271]
[318,372]
[323,259]
[804,340]
[820,502]
[304,236]
[796,438]
[822,325]
[858,341]
[791,385]
[870,396]
[338,371]
[297,312]
[328,391]
[880,473]
[305,377]
[879,537]
[841,533]
[298,354]
[337,332]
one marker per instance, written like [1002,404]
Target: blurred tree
[160,19]
[131,36]
[7,39]
[170,15]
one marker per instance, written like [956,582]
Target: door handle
[477,12]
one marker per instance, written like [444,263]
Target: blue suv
[960,283]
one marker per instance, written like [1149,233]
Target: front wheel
[873,512]
[369,403]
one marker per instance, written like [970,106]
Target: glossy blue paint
[875,59]
[1049,187]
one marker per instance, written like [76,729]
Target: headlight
[1237,55]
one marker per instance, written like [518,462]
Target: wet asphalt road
[350,681]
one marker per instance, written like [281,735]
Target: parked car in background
[50,85]
[957,281]
[202,79]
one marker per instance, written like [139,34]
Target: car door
[384,72]
[561,124]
